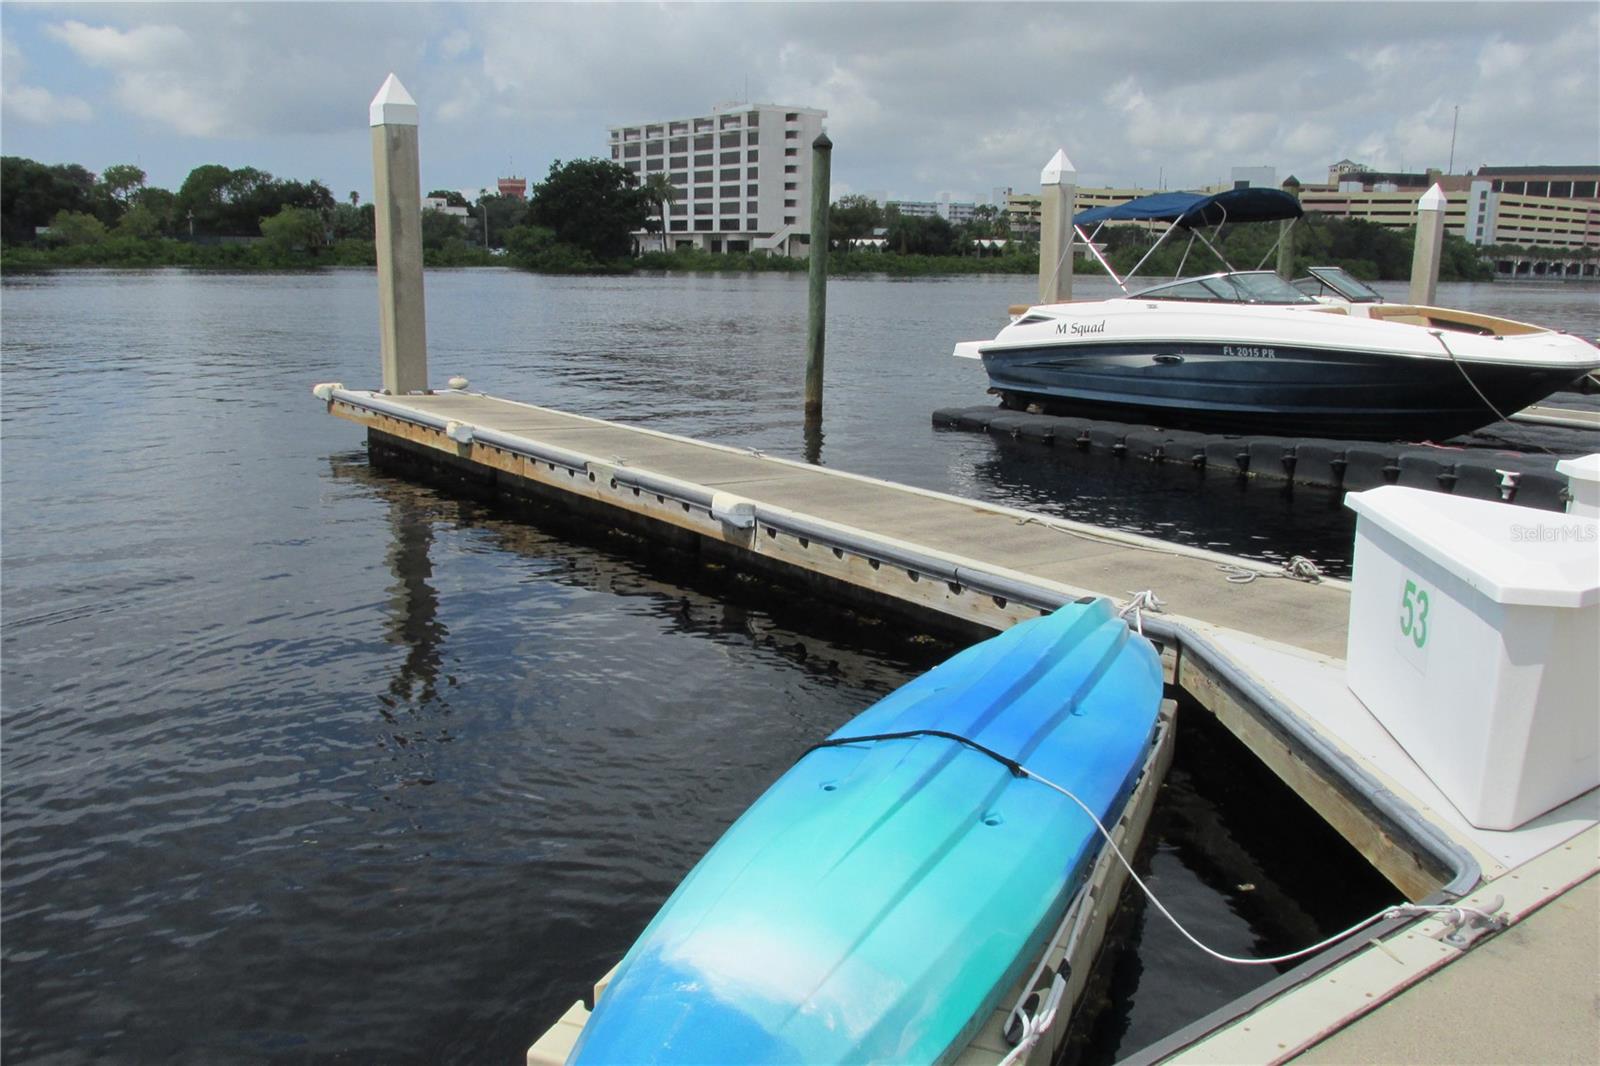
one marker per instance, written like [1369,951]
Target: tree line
[582,217]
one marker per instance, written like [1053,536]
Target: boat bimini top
[1189,211]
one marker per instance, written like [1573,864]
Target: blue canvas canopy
[1191,209]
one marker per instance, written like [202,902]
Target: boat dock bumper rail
[1529,480]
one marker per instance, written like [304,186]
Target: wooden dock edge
[1283,1025]
[1107,880]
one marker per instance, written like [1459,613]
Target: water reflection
[414,606]
[813,441]
[1171,501]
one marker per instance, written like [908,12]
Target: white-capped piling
[817,312]
[1430,243]
[1058,194]
[397,198]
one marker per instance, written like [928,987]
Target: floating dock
[1527,478]
[1263,656]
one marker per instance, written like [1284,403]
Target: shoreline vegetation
[580,220]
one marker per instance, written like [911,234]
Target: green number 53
[1414,614]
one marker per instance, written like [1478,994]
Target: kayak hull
[878,899]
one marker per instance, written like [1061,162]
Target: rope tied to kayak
[1016,768]
[1026,1027]
[1298,567]
[1143,601]
[1458,913]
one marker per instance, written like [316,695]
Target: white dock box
[1475,640]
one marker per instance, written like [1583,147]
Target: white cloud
[920,96]
[456,43]
[31,103]
[165,97]
[42,107]
[107,46]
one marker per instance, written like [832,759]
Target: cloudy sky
[922,99]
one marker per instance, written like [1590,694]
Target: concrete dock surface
[1528,995]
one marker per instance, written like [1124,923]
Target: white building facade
[742,175]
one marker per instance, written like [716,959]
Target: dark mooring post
[821,163]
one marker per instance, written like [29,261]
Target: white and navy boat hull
[1354,373]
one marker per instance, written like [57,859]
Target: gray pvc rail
[1464,869]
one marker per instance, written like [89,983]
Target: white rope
[1141,602]
[1298,567]
[1034,1026]
[1403,910]
[1438,335]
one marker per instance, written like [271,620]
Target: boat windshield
[1239,287]
[1338,282]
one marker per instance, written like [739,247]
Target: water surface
[303,763]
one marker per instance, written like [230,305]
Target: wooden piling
[1058,187]
[821,165]
[1430,244]
[397,197]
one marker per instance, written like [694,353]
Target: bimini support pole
[1088,240]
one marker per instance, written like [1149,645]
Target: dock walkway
[1083,559]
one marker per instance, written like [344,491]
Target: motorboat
[1246,351]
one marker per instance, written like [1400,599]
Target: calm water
[302,763]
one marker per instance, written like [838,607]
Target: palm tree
[660,193]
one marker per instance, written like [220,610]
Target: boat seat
[1451,319]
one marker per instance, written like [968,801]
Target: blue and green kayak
[878,900]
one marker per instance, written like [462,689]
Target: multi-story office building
[1497,205]
[914,208]
[1021,210]
[1553,207]
[953,211]
[742,175]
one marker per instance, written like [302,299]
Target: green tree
[504,213]
[74,228]
[986,221]
[853,217]
[139,222]
[203,197]
[910,235]
[122,181]
[233,202]
[450,197]
[590,204]
[32,193]
[162,205]
[293,229]
[439,227]
[659,192]
[349,222]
